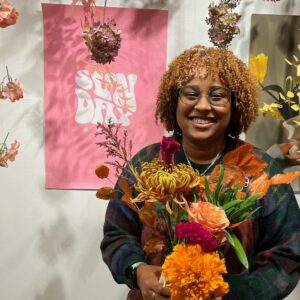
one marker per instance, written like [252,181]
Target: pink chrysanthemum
[195,233]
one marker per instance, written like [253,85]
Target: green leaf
[273,87]
[160,209]
[238,248]
[250,201]
[219,185]
[230,194]
[221,199]
[232,203]
[207,191]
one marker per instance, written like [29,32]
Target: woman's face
[203,111]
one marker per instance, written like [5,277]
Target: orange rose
[212,217]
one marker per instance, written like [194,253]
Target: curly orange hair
[201,62]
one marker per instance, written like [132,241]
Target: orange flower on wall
[8,14]
[12,90]
[8,154]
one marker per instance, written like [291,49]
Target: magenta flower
[195,233]
[168,149]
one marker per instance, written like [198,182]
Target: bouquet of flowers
[191,216]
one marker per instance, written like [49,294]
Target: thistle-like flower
[102,40]
[223,22]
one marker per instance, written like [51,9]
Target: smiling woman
[207,97]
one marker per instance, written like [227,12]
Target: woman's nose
[203,103]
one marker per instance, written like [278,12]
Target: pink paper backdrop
[77,96]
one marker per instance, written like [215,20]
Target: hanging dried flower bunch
[101,38]
[87,4]
[8,154]
[12,90]
[8,14]
[223,22]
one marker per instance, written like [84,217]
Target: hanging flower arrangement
[102,39]
[8,154]
[11,90]
[8,14]
[223,22]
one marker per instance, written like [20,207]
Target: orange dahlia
[191,273]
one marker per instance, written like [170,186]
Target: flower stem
[104,10]
[268,92]
[8,76]
[4,143]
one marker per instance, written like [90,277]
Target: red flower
[168,149]
[194,234]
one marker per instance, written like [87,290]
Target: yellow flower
[156,181]
[195,274]
[258,66]
[272,109]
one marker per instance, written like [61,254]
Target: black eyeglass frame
[228,97]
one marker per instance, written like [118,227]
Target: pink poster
[78,95]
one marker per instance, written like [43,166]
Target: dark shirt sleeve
[275,267]
[121,245]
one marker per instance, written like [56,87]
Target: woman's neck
[203,153]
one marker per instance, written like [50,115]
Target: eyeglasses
[217,96]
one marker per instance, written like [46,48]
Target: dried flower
[8,154]
[106,193]
[102,40]
[194,234]
[102,171]
[8,14]
[1,93]
[87,4]
[193,274]
[223,23]
[13,90]
[115,146]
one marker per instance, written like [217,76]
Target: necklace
[208,167]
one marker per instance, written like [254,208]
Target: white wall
[50,239]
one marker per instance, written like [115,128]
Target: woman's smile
[200,120]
